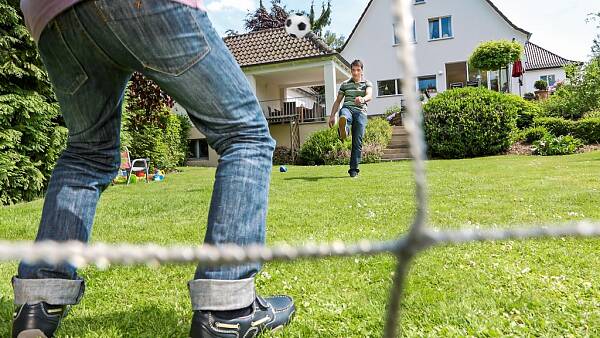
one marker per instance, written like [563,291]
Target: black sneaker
[37,320]
[342,128]
[353,173]
[270,313]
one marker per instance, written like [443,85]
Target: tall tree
[318,23]
[595,18]
[333,40]
[263,19]
[30,138]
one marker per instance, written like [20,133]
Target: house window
[419,2]
[550,79]
[499,80]
[477,78]
[440,28]
[456,75]
[389,87]
[198,149]
[413,33]
[428,83]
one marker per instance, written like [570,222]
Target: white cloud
[225,5]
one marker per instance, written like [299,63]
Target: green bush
[526,110]
[588,130]
[282,155]
[533,134]
[561,145]
[378,131]
[556,125]
[324,147]
[371,153]
[468,122]
[540,85]
[318,144]
[592,114]
[579,94]
[165,144]
[31,138]
[493,55]
[393,109]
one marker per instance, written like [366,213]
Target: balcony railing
[304,109]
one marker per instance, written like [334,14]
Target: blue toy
[282,169]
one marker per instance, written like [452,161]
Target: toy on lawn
[282,169]
[158,175]
[297,25]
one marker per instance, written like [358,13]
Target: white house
[281,70]
[445,33]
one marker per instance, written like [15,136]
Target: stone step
[402,154]
[395,151]
[398,145]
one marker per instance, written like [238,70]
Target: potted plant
[542,89]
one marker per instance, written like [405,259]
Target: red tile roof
[275,45]
[537,57]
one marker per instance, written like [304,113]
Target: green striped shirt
[351,90]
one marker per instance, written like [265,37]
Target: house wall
[268,95]
[473,22]
[281,132]
[531,76]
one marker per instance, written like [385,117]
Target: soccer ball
[297,25]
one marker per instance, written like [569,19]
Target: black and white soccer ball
[297,25]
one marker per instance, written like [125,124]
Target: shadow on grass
[6,311]
[316,178]
[147,321]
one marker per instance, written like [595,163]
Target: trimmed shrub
[318,144]
[540,85]
[469,122]
[324,147]
[493,55]
[371,153]
[533,134]
[526,111]
[561,145]
[588,130]
[282,155]
[555,125]
[592,114]
[378,132]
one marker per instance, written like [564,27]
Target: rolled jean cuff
[221,295]
[49,290]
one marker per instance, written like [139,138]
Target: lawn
[534,288]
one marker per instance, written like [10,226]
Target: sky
[557,25]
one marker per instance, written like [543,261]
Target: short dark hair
[357,63]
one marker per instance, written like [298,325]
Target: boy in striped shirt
[355,93]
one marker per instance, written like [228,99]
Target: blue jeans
[91,51]
[356,123]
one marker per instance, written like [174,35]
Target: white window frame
[440,27]
[414,33]
[397,91]
[547,81]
